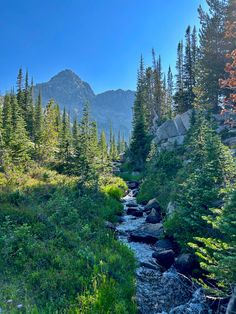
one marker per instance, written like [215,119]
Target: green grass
[56,254]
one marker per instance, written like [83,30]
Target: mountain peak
[68,74]
[71,92]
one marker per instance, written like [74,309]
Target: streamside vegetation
[56,192]
[195,184]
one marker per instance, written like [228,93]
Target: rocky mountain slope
[69,91]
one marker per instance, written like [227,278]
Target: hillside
[69,91]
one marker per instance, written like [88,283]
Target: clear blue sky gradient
[101,40]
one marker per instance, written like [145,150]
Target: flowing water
[158,292]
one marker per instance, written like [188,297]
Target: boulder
[132,204]
[154,217]
[166,130]
[164,258]
[133,184]
[179,125]
[134,211]
[174,128]
[164,244]
[147,233]
[153,203]
[186,119]
[186,263]
[177,140]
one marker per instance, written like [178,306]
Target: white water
[157,292]
[143,252]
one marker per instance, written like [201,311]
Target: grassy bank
[56,254]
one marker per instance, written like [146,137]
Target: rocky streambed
[163,284]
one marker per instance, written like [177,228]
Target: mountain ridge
[70,91]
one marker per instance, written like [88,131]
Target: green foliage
[218,253]
[213,48]
[159,180]
[210,168]
[140,142]
[114,187]
[55,250]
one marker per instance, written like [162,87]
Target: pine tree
[213,48]
[123,144]
[19,144]
[103,149]
[158,94]
[20,92]
[218,254]
[140,142]
[86,159]
[188,72]
[7,119]
[114,148]
[119,144]
[211,168]
[64,138]
[179,94]
[50,134]
[75,133]
[170,87]
[29,106]
[38,127]
[150,103]
[194,53]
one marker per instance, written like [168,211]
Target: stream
[159,290]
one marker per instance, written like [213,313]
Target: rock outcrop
[172,132]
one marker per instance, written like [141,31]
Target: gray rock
[164,244]
[196,305]
[174,128]
[177,140]
[186,263]
[166,130]
[134,211]
[154,217]
[179,125]
[147,233]
[133,184]
[186,119]
[164,258]
[131,204]
[153,203]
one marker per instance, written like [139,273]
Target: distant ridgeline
[113,107]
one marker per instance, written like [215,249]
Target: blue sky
[101,40]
